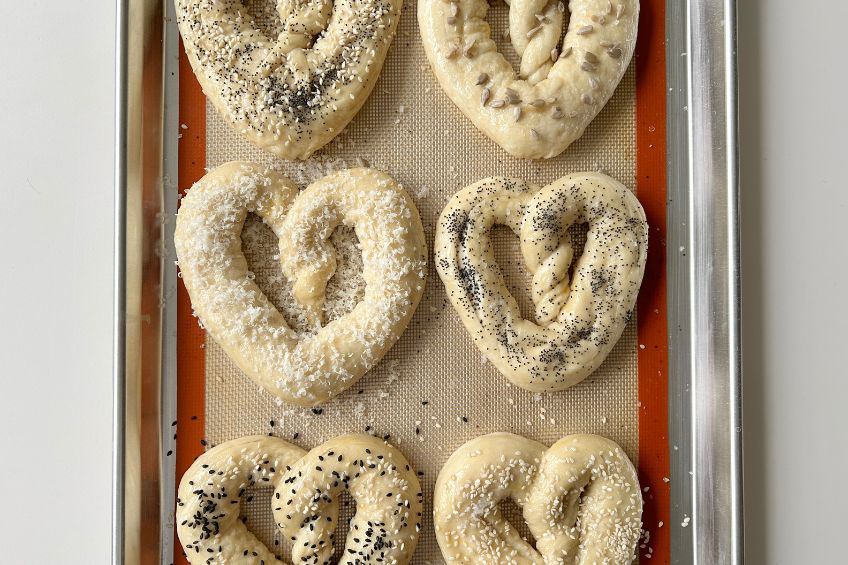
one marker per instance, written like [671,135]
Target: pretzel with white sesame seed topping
[580,499]
[561,85]
[292,94]
[309,368]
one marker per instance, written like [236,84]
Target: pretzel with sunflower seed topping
[561,85]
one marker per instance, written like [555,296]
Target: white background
[56,151]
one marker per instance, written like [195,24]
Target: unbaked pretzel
[580,317]
[302,369]
[293,94]
[580,499]
[561,86]
[305,502]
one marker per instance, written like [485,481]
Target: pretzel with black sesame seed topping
[579,316]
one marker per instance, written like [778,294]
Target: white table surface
[56,148]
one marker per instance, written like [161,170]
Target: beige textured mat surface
[434,378]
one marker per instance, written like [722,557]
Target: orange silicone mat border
[652,330]
[652,308]
[191,339]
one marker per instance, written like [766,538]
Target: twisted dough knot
[302,21]
[580,499]
[579,318]
[302,369]
[534,29]
[307,489]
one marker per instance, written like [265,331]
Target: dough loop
[579,316]
[302,369]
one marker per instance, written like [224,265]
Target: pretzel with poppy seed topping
[561,84]
[292,94]
[579,316]
[304,369]
[580,498]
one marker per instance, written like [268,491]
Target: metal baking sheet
[703,283]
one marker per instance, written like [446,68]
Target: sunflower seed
[591,57]
[619,10]
[554,54]
[557,113]
[535,134]
[512,96]
[537,103]
[588,67]
[615,52]
[565,52]
[593,83]
[607,44]
[498,103]
[482,79]
[561,7]
[586,98]
[585,30]
[516,113]
[484,96]
[534,31]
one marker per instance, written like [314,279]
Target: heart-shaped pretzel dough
[307,487]
[580,499]
[302,369]
[561,86]
[293,94]
[578,318]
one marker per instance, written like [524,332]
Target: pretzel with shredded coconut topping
[305,502]
[579,315]
[310,368]
[580,499]
[292,94]
[561,85]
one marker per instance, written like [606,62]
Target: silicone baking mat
[434,390]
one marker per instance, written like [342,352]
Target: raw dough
[302,369]
[293,94]
[561,86]
[580,499]
[579,318]
[307,487]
